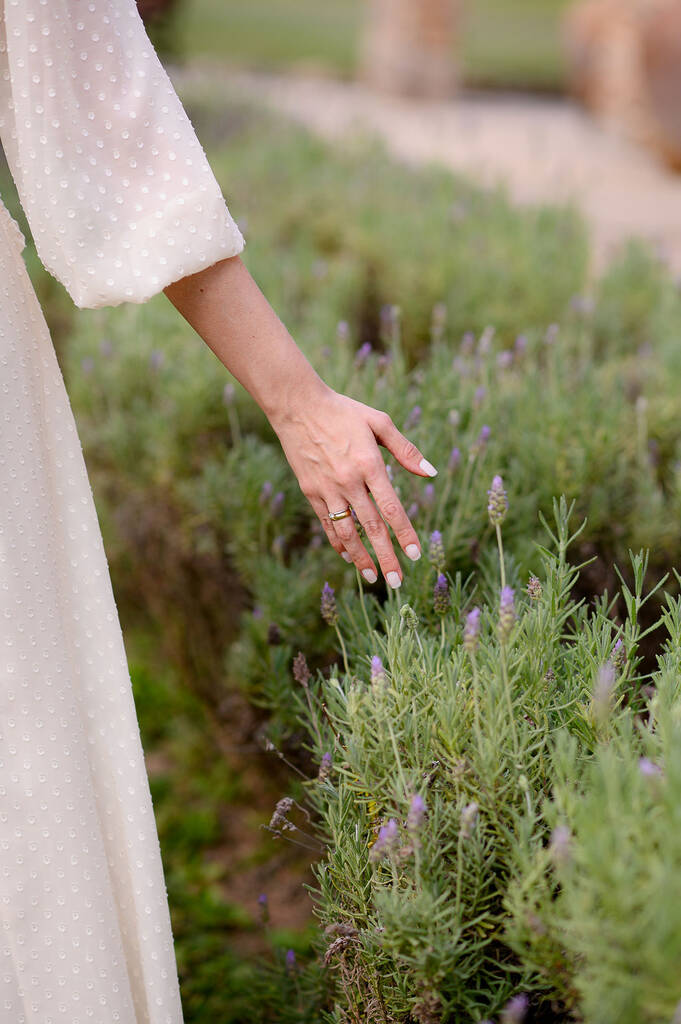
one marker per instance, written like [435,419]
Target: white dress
[121,201]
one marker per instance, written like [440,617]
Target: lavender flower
[325,767]
[328,605]
[413,418]
[603,691]
[87,364]
[454,460]
[277,504]
[441,598]
[413,509]
[507,614]
[342,330]
[560,845]
[428,494]
[467,343]
[479,397]
[534,588]
[363,353]
[383,362]
[156,359]
[291,963]
[265,492]
[417,809]
[551,334]
[497,505]
[301,672]
[264,908]
[520,345]
[469,817]
[471,631]
[436,551]
[649,768]
[483,437]
[105,347]
[377,671]
[387,842]
[409,617]
[505,359]
[515,1010]
[619,654]
[228,393]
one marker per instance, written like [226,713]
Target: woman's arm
[330,440]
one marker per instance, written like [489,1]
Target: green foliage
[484,898]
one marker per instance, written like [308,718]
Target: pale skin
[330,440]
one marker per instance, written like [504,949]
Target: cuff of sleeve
[194,232]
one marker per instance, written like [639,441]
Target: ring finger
[346,532]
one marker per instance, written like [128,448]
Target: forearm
[226,308]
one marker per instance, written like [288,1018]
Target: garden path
[541,149]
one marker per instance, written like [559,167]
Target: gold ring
[334,516]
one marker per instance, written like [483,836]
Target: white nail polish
[427,467]
[393,579]
[369,575]
[346,556]
[412,552]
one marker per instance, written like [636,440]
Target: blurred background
[410,175]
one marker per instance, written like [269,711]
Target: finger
[404,450]
[377,533]
[392,511]
[347,534]
[334,540]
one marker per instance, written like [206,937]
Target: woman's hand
[332,445]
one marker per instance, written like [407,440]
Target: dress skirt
[85,932]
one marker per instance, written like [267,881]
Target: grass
[507,43]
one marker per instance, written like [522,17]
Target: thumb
[404,450]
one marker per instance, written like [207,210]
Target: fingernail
[369,575]
[412,551]
[394,580]
[346,556]
[427,467]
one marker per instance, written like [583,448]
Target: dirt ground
[541,149]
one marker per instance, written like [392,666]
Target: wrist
[288,400]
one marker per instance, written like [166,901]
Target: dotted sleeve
[116,187]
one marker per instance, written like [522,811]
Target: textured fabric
[121,201]
[116,187]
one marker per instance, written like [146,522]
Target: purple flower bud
[603,691]
[325,767]
[156,359]
[291,962]
[441,598]
[619,654]
[436,551]
[505,359]
[228,393]
[506,613]
[105,347]
[262,899]
[417,809]
[264,908]
[265,492]
[343,330]
[551,334]
[483,437]
[497,505]
[520,345]
[469,817]
[387,842]
[278,544]
[413,510]
[485,342]
[479,397]
[277,504]
[363,353]
[471,631]
[377,671]
[534,588]
[515,1010]
[428,494]
[328,605]
[301,672]
[560,845]
[413,418]
[257,612]
[649,768]
[383,361]
[454,460]
[87,364]
[467,343]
